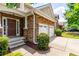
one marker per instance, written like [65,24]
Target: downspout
[34,37]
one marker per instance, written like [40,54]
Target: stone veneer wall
[39,19]
[28,33]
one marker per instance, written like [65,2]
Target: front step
[15,42]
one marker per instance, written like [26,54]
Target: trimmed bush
[43,41]
[3,45]
[58,32]
[15,54]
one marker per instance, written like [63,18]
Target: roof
[11,11]
[47,8]
[39,12]
[23,14]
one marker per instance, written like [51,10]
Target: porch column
[26,22]
[0,25]
[25,29]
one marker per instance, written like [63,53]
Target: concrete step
[15,42]
[13,46]
[16,39]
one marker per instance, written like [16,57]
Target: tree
[12,5]
[72,15]
[15,5]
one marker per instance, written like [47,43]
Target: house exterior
[25,23]
[60,22]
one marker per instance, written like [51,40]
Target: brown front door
[11,23]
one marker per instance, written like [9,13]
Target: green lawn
[71,54]
[70,35]
[14,54]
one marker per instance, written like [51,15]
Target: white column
[1,28]
[26,22]
[21,8]
[0,23]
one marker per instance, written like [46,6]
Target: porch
[12,26]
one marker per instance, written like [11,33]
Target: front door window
[17,27]
[4,24]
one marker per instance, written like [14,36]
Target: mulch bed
[32,45]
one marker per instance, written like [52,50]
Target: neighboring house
[56,18]
[25,23]
[60,22]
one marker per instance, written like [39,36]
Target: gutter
[34,37]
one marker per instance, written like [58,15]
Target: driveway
[66,44]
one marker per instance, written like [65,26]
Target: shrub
[15,54]
[58,32]
[43,41]
[3,45]
[74,26]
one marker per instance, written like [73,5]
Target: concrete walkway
[27,51]
[66,44]
[58,47]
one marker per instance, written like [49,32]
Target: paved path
[27,51]
[58,47]
[66,44]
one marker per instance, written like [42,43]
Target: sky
[58,8]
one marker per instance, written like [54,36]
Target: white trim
[7,25]
[4,18]
[25,23]
[18,32]
[28,14]
[44,15]
[43,6]
[34,37]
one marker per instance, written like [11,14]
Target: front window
[17,28]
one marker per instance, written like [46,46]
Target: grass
[15,54]
[71,54]
[70,35]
